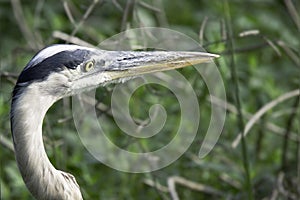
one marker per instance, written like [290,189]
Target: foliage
[259,38]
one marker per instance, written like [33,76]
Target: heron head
[64,70]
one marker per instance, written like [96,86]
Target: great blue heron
[63,70]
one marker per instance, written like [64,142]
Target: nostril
[101,62]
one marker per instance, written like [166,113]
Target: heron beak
[123,64]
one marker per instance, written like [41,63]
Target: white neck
[41,178]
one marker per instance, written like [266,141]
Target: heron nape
[60,71]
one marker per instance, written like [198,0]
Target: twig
[37,19]
[173,180]
[294,57]
[201,31]
[172,189]
[149,7]
[270,126]
[68,12]
[240,122]
[227,179]
[11,77]
[272,45]
[267,42]
[262,111]
[161,16]
[260,136]
[281,188]
[85,16]
[7,143]
[290,122]
[275,194]
[253,32]
[128,12]
[245,49]
[70,39]
[8,74]
[117,5]
[98,105]
[65,119]
[298,169]
[293,12]
[280,183]
[18,12]
[223,32]
[157,185]
[298,160]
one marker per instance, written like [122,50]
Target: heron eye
[88,66]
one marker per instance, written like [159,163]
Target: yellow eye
[88,66]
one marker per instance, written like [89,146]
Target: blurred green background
[260,61]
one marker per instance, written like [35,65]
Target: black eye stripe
[55,63]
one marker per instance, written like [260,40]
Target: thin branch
[281,188]
[201,31]
[161,16]
[8,74]
[240,121]
[98,105]
[117,5]
[293,12]
[294,57]
[267,42]
[172,189]
[298,168]
[85,16]
[11,77]
[128,13]
[7,143]
[63,120]
[157,185]
[253,32]
[298,159]
[37,19]
[149,7]
[272,45]
[290,122]
[229,180]
[274,195]
[245,49]
[27,33]
[70,39]
[270,126]
[262,111]
[172,181]
[223,31]
[68,12]
[159,189]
